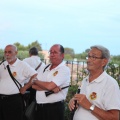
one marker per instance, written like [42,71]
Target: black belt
[2,96]
[50,104]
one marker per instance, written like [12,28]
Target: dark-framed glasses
[93,57]
[53,52]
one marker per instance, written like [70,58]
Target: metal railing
[79,70]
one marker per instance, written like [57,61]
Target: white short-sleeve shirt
[103,92]
[34,61]
[20,70]
[61,77]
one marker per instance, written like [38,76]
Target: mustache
[6,57]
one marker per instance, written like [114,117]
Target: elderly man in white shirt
[11,102]
[99,98]
[55,76]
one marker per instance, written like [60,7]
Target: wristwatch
[92,107]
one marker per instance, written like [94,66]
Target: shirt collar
[15,63]
[98,79]
[61,64]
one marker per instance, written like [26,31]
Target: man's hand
[22,90]
[56,89]
[82,100]
[33,78]
[71,104]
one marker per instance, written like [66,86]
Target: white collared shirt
[34,61]
[20,70]
[61,77]
[103,92]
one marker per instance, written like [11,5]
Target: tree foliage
[81,56]
[1,54]
[26,48]
[116,59]
[23,50]
[69,53]
[36,44]
[19,46]
[68,57]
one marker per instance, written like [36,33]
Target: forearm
[27,85]
[106,115]
[99,113]
[45,85]
[36,87]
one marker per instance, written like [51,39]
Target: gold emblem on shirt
[14,74]
[55,73]
[93,96]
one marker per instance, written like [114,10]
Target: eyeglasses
[54,53]
[93,57]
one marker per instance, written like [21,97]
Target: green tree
[1,54]
[35,44]
[19,46]
[81,56]
[116,59]
[68,57]
[23,51]
[69,52]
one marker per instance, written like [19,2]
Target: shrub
[71,91]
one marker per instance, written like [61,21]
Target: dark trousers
[54,111]
[11,107]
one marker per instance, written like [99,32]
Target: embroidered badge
[93,96]
[55,73]
[14,74]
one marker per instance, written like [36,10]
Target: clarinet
[73,111]
[51,92]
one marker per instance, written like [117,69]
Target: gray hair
[13,46]
[105,51]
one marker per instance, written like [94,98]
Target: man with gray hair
[11,102]
[99,98]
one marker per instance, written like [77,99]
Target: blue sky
[77,24]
